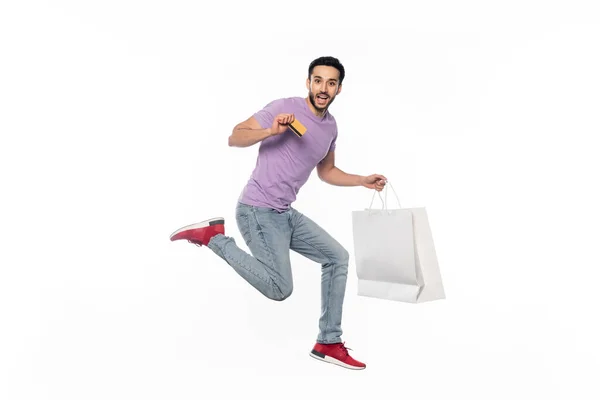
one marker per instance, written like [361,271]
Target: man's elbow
[323,174]
[232,140]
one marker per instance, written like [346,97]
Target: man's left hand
[374,181]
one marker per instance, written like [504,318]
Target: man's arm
[331,174]
[248,133]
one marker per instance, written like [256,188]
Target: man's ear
[308,83]
[339,89]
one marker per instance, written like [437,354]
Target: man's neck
[318,113]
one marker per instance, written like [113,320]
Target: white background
[114,118]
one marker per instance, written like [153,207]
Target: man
[269,224]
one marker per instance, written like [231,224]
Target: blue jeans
[270,235]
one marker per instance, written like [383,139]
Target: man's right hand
[281,123]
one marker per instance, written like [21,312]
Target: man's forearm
[337,177]
[244,137]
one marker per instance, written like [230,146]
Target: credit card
[298,128]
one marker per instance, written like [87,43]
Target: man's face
[323,86]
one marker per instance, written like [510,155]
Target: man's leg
[267,234]
[313,242]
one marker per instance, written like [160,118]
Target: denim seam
[331,275]
[261,235]
[221,249]
[332,268]
[246,222]
[314,247]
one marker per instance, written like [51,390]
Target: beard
[314,102]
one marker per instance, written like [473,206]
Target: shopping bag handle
[384,205]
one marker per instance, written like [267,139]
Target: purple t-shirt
[286,161]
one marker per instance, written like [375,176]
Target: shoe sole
[203,224]
[322,357]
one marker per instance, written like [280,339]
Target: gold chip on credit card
[298,128]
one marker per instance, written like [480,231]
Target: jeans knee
[342,257]
[282,292]
[345,256]
[339,259]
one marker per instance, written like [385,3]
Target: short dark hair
[328,62]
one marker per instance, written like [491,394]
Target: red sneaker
[201,232]
[336,354]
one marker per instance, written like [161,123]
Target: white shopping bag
[395,254]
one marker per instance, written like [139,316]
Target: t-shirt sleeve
[266,116]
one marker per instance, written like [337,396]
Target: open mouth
[322,99]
